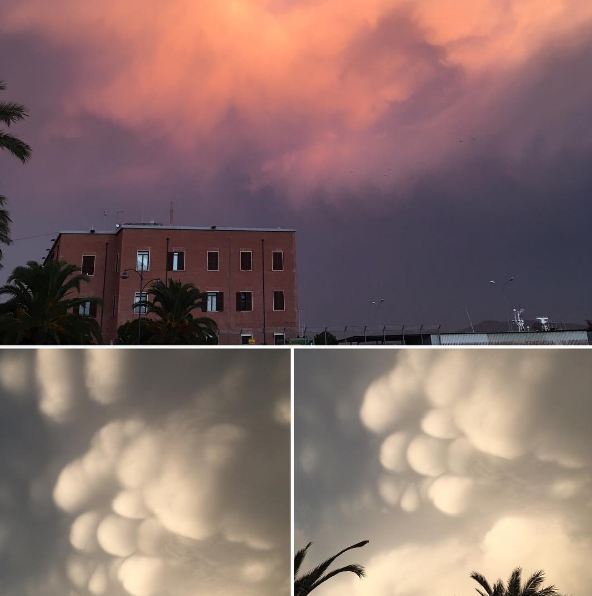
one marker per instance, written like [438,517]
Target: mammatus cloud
[324,93]
[476,460]
[160,492]
[459,421]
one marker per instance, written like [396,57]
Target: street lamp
[504,297]
[143,285]
[378,303]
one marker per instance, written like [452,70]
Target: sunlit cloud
[326,94]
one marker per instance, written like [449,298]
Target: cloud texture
[324,93]
[149,483]
[463,460]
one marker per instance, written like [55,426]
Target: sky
[420,149]
[448,462]
[144,473]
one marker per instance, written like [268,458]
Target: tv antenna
[544,321]
[518,320]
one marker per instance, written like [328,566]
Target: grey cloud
[184,470]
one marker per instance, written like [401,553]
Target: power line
[30,237]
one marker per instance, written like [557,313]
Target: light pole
[504,297]
[142,288]
[378,303]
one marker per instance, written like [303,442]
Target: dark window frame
[89,306]
[94,265]
[277,252]
[247,301]
[217,253]
[171,260]
[283,302]
[246,252]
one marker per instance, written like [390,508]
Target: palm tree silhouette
[515,587]
[172,321]
[45,306]
[10,112]
[306,583]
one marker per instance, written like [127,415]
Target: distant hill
[501,326]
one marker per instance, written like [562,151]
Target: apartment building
[249,275]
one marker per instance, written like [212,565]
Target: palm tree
[172,321]
[306,583]
[41,308]
[514,587]
[10,113]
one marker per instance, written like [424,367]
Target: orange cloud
[322,88]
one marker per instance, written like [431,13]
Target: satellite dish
[152,221]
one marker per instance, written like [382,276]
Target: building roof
[132,226]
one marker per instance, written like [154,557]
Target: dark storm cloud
[511,199]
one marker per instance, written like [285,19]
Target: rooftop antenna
[172,215]
[117,217]
[544,321]
[518,320]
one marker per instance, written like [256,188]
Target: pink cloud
[329,93]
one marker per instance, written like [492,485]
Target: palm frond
[357,569]
[299,558]
[306,583]
[533,582]
[14,145]
[11,112]
[480,579]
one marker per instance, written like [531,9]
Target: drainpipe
[104,283]
[166,264]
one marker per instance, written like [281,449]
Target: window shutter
[93,309]
[249,301]
[181,261]
[220,301]
[169,261]
[238,301]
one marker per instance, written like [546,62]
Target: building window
[143,263]
[88,265]
[244,301]
[87,309]
[279,339]
[246,260]
[140,302]
[278,300]
[117,263]
[213,260]
[246,338]
[176,261]
[215,302]
[277,260]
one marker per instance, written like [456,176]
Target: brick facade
[116,251]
